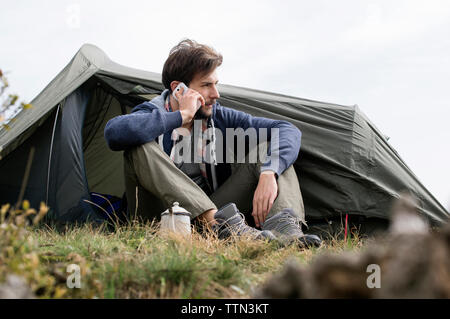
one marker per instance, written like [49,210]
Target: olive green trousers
[154,183]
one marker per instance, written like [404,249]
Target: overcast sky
[392,58]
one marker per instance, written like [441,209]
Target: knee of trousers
[149,150]
[153,147]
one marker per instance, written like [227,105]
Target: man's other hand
[265,194]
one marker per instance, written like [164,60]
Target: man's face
[206,85]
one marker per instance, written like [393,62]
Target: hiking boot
[231,222]
[286,226]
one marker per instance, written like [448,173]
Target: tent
[345,166]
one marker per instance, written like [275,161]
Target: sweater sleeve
[284,137]
[143,125]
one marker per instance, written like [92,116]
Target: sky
[391,58]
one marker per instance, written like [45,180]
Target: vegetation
[8,103]
[135,261]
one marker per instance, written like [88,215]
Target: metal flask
[176,220]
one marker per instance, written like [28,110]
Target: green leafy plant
[9,102]
[19,250]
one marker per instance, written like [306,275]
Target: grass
[134,261]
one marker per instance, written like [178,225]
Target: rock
[289,283]
[413,263]
[15,287]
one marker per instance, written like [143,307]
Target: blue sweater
[149,120]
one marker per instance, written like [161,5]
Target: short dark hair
[187,59]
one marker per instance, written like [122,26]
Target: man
[212,192]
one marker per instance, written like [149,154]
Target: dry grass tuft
[134,261]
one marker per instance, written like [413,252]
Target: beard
[202,114]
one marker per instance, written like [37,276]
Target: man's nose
[215,93]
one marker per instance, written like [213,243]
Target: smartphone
[185,88]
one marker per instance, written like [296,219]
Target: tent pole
[51,151]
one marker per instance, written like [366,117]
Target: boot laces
[287,224]
[236,228]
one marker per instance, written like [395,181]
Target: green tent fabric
[345,165]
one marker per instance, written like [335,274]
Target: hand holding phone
[185,89]
[189,101]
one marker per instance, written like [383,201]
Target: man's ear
[173,85]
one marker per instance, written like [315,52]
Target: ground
[134,261]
